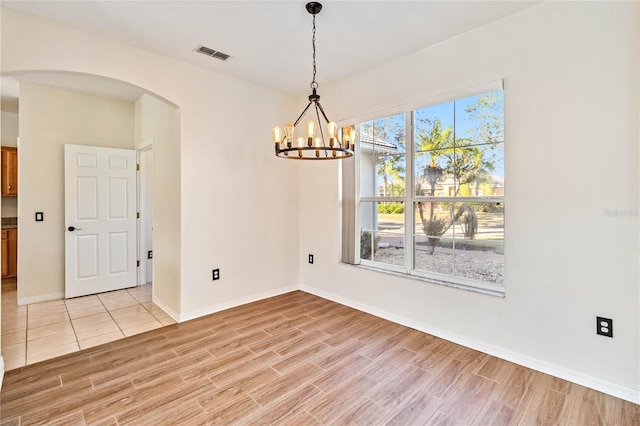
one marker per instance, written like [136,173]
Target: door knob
[73,228]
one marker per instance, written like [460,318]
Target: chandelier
[311,146]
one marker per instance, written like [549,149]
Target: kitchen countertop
[9,222]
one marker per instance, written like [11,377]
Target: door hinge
[137,215]
[137,263]
[137,166]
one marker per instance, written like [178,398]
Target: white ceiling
[270,41]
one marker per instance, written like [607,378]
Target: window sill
[496,290]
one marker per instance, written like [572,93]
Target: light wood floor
[295,359]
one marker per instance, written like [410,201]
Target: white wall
[238,201]
[9,130]
[159,122]
[49,119]
[571,128]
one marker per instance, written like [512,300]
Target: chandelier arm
[324,144]
[305,110]
[323,114]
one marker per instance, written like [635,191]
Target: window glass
[479,129]
[433,248]
[478,241]
[382,235]
[382,157]
[456,150]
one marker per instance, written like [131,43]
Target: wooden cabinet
[9,252]
[9,171]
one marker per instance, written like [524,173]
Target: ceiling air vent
[213,53]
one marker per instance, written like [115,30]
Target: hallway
[45,330]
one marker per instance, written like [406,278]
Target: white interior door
[100,218]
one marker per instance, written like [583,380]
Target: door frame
[142,209]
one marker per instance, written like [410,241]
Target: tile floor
[46,330]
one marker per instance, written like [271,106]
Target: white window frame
[351,194]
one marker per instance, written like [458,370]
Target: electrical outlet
[216,274]
[150,254]
[311,258]
[604,326]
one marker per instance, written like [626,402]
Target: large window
[431,186]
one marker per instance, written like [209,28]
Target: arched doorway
[80,107]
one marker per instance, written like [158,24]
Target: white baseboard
[232,304]
[1,370]
[38,299]
[173,314]
[622,392]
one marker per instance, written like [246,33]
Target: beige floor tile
[99,340]
[145,288]
[46,308]
[12,308]
[146,298]
[83,333]
[134,320]
[48,330]
[140,294]
[12,324]
[141,328]
[47,320]
[9,315]
[8,306]
[14,327]
[82,302]
[116,304]
[52,352]
[91,320]
[14,338]
[128,312]
[150,306]
[115,295]
[9,293]
[163,317]
[57,339]
[14,356]
[14,350]
[11,363]
[87,311]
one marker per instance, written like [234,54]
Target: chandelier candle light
[314,147]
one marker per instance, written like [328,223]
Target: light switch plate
[39,216]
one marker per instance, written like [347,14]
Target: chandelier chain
[314,84]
